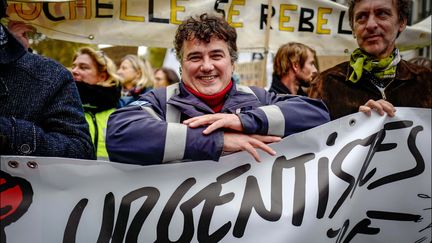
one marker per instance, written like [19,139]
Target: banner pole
[263,81]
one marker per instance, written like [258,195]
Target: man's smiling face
[206,67]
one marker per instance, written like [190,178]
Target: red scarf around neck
[216,101]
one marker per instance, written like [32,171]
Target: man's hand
[234,142]
[19,30]
[380,106]
[215,121]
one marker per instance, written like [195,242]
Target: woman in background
[137,75]
[99,89]
[164,77]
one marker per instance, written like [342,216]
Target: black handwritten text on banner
[356,179]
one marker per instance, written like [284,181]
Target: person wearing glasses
[99,88]
[40,109]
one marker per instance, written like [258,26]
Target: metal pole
[263,81]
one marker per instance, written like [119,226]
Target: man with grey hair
[375,78]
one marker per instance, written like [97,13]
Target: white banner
[356,179]
[321,24]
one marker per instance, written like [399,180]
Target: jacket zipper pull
[383,94]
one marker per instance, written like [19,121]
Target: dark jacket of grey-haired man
[40,109]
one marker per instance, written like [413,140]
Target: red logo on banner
[16,196]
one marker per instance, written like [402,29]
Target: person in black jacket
[294,68]
[40,110]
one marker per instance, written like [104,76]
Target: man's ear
[402,25]
[296,67]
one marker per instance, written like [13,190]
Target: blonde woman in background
[99,88]
[137,75]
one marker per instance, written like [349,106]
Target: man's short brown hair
[203,28]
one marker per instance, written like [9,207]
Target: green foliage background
[63,51]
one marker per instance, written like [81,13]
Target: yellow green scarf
[382,69]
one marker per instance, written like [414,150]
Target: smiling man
[206,114]
[376,78]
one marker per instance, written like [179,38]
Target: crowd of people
[135,114]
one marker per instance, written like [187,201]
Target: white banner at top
[321,24]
